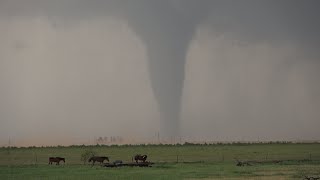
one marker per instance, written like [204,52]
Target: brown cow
[140,157]
[56,160]
[98,158]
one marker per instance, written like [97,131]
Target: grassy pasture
[172,162]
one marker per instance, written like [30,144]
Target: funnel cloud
[207,70]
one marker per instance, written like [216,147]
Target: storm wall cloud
[214,70]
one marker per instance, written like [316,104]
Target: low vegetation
[188,161]
[86,155]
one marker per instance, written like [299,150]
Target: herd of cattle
[137,158]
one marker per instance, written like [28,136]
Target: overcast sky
[72,70]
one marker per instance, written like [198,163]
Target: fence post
[267,156]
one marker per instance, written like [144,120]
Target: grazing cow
[56,160]
[98,159]
[140,157]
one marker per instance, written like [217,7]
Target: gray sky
[71,70]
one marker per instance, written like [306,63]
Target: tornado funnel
[166,27]
[167,47]
[166,69]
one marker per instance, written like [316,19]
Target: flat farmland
[189,161]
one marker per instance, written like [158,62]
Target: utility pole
[9,145]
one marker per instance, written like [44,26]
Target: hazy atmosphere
[143,70]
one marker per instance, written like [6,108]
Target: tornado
[166,29]
[166,68]
[166,64]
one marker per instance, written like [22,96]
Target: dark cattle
[56,160]
[98,159]
[140,157]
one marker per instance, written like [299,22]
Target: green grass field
[171,162]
